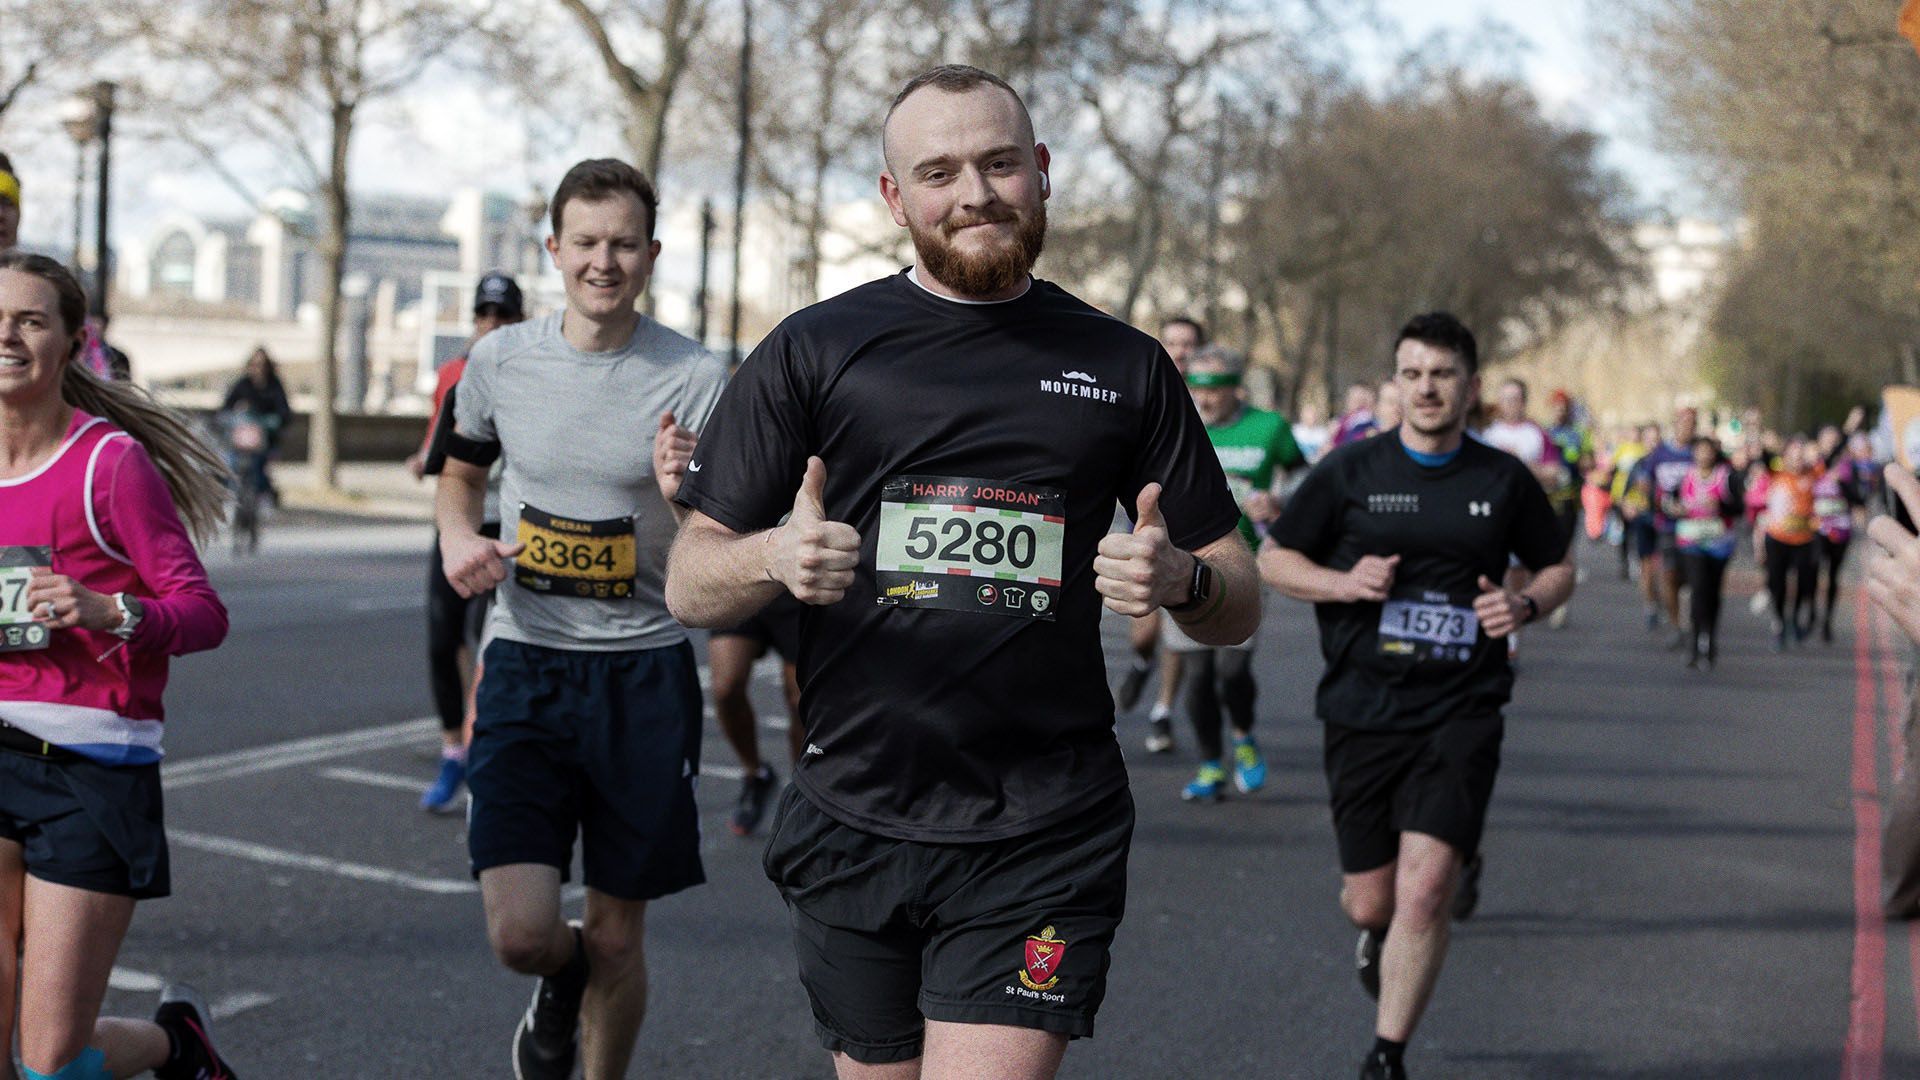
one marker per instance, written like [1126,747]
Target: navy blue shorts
[602,744]
[85,825]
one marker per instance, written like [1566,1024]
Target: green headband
[1213,378]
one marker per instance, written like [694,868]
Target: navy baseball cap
[499,290]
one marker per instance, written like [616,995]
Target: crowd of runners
[907,493]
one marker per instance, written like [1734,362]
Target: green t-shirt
[1251,447]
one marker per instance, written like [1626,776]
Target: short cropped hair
[1228,360]
[1199,331]
[1442,330]
[597,178]
[952,79]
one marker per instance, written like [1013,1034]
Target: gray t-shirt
[576,433]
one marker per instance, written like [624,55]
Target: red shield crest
[1044,955]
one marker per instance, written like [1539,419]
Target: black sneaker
[1127,694]
[1467,896]
[183,1016]
[548,1038]
[1379,1066]
[756,789]
[1366,961]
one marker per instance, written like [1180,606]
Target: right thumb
[811,499]
[1393,561]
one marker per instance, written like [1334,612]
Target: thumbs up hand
[812,556]
[1501,612]
[1140,571]
[672,451]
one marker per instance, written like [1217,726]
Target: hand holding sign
[1893,571]
[1141,571]
[812,556]
[1501,612]
[673,447]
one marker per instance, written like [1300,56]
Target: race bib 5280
[964,544]
[18,630]
[564,557]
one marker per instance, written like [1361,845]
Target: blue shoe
[1209,785]
[1249,768]
[439,799]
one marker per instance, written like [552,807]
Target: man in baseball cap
[453,622]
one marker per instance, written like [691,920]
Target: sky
[1567,73]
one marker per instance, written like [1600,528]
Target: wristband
[1533,608]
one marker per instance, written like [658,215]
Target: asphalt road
[1673,885]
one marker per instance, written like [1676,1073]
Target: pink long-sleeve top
[105,511]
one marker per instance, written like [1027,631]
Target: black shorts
[776,627]
[1436,780]
[1643,536]
[603,744]
[86,825]
[891,933]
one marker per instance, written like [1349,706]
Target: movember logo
[1081,385]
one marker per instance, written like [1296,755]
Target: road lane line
[411,784]
[135,982]
[1863,1057]
[297,752]
[130,981]
[272,856]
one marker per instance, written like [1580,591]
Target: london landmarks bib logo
[1043,957]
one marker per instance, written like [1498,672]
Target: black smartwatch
[1533,608]
[1199,590]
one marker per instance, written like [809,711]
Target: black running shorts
[776,627]
[891,933]
[86,825]
[1436,780]
[603,744]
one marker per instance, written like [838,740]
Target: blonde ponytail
[197,475]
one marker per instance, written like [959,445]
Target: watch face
[134,606]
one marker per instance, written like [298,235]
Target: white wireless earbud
[1045,184]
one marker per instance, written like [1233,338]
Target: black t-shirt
[1420,658]
[971,706]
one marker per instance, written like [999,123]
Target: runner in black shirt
[953,851]
[1398,542]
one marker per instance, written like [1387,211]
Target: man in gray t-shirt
[588,717]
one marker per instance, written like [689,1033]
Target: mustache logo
[1080,375]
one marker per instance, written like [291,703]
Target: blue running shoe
[1249,768]
[1209,785]
[440,798]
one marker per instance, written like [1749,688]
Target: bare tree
[40,41]
[670,30]
[293,77]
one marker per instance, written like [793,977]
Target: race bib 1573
[963,544]
[18,630]
[1428,626]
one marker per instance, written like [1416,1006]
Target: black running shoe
[756,790]
[183,1016]
[1467,896]
[1127,694]
[1379,1066]
[548,1038]
[1366,961]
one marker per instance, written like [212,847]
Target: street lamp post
[103,274]
[81,120]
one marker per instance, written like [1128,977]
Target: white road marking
[130,981]
[297,752]
[411,784]
[272,856]
[135,982]
[385,603]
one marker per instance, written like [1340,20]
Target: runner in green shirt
[1256,449]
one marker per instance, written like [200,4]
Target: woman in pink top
[99,586]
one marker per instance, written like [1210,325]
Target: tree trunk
[323,437]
